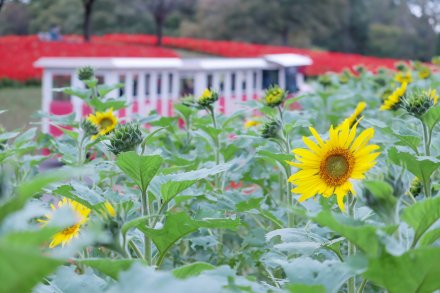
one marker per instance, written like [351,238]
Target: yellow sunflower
[403,77]
[104,121]
[393,100]
[432,94]
[327,167]
[355,116]
[251,123]
[66,235]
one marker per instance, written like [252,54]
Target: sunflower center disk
[106,122]
[336,166]
[70,230]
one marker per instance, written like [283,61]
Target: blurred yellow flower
[251,123]
[327,167]
[432,94]
[393,100]
[355,115]
[66,235]
[403,77]
[110,209]
[104,121]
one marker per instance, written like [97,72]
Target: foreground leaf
[191,270]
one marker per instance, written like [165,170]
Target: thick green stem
[427,144]
[216,145]
[147,240]
[351,283]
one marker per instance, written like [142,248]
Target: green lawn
[21,103]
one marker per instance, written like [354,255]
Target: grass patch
[21,103]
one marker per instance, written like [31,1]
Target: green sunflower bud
[89,128]
[325,80]
[86,73]
[401,66]
[274,96]
[271,129]
[418,102]
[207,98]
[416,187]
[126,137]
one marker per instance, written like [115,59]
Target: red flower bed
[323,61]
[18,53]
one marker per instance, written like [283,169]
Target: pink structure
[156,83]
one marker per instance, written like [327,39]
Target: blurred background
[398,29]
[386,28]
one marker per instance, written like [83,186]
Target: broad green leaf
[135,223]
[421,167]
[8,135]
[23,267]
[299,288]
[183,110]
[429,237]
[34,186]
[431,117]
[191,270]
[108,266]
[25,137]
[381,199]
[177,225]
[361,234]
[330,274]
[83,195]
[414,271]
[103,105]
[76,92]
[246,205]
[172,188]
[407,140]
[141,169]
[105,89]
[422,215]
[281,158]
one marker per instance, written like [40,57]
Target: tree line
[385,28]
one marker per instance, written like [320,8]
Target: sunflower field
[336,190]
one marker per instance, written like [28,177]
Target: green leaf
[419,166]
[110,267]
[105,89]
[422,215]
[103,105]
[431,117]
[252,203]
[429,237]
[25,137]
[191,270]
[141,169]
[76,92]
[178,225]
[28,189]
[414,271]
[172,188]
[300,288]
[8,135]
[361,234]
[23,267]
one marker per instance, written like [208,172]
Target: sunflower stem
[351,282]
[427,144]
[147,240]
[362,286]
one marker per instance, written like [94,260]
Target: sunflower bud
[126,137]
[401,66]
[86,73]
[325,80]
[207,98]
[274,96]
[271,129]
[418,102]
[424,72]
[89,128]
[416,187]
